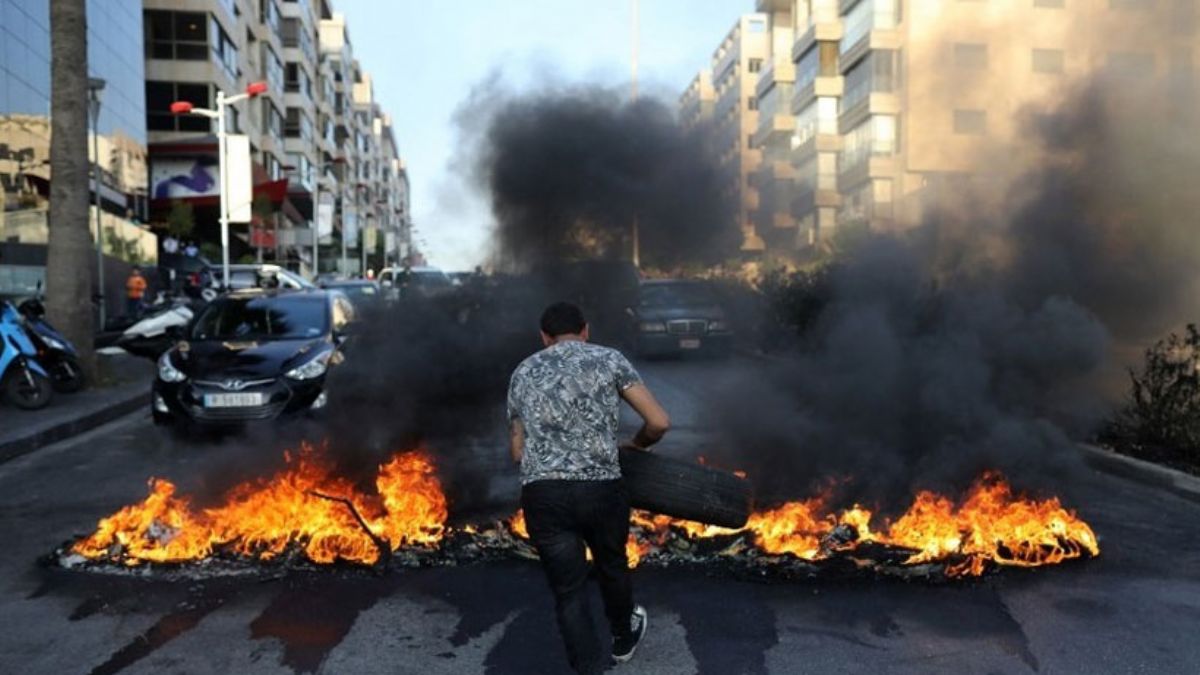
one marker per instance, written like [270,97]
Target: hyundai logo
[233,385]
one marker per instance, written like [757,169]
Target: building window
[750,141]
[1048,61]
[297,125]
[818,117]
[273,68]
[1130,4]
[970,55]
[1050,4]
[224,51]
[866,16]
[970,122]
[820,61]
[875,137]
[269,15]
[176,35]
[160,96]
[755,65]
[879,72]
[752,103]
[272,119]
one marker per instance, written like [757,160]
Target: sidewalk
[67,415]
[1158,476]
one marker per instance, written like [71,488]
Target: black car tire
[685,490]
[27,393]
[67,375]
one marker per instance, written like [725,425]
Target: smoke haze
[988,338]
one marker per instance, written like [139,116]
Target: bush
[794,300]
[1161,420]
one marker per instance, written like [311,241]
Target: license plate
[689,343]
[243,400]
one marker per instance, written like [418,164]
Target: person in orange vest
[135,290]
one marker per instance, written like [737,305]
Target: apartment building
[817,143]
[735,67]
[774,179]
[895,104]
[696,102]
[310,142]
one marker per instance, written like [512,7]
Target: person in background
[563,405]
[135,290]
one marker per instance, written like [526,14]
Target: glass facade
[115,54]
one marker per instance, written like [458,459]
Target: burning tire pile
[306,517]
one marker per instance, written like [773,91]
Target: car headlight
[54,344]
[653,327]
[167,372]
[717,326]
[314,367]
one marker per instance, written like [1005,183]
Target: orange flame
[305,507]
[301,506]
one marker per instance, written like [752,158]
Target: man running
[563,405]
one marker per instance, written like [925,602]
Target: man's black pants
[563,515]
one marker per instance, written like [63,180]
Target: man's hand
[656,422]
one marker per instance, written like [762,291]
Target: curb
[129,402]
[1153,475]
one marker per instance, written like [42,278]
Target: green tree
[70,253]
[181,219]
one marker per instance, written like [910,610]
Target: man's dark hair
[563,318]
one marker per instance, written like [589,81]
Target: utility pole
[95,88]
[223,102]
[633,93]
[316,234]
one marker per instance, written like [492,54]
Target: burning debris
[304,515]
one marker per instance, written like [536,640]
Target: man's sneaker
[623,647]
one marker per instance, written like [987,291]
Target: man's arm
[656,423]
[516,439]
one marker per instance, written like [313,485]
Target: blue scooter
[23,381]
[54,350]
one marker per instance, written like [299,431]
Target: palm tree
[70,253]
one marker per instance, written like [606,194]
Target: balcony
[822,31]
[774,129]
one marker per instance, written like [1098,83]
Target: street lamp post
[95,87]
[186,108]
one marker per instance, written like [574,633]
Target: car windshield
[283,317]
[676,295]
[358,290]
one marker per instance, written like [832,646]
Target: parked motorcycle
[54,350]
[23,381]
[149,337]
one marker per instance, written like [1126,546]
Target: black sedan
[677,316]
[252,355]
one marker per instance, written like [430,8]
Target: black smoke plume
[570,172]
[985,340]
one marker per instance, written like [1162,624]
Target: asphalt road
[1136,609]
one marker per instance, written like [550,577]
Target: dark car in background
[252,355]
[263,275]
[678,316]
[365,294]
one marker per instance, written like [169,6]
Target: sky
[426,57]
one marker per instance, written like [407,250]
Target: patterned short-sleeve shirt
[568,397]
